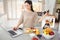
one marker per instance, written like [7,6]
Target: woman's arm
[45,16]
[52,16]
[42,17]
[19,22]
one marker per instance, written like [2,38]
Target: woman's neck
[28,10]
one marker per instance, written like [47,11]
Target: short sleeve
[36,18]
[21,17]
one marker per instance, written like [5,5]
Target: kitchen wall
[57,5]
[50,4]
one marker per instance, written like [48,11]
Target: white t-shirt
[29,19]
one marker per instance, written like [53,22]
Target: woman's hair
[44,12]
[30,3]
[48,11]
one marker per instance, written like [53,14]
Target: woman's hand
[43,17]
[47,14]
[15,28]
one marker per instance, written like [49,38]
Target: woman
[28,17]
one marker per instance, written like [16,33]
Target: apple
[51,33]
[34,38]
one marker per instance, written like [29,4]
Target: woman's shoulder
[35,13]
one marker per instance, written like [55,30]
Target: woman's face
[27,6]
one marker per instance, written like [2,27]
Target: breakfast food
[28,30]
[47,24]
[51,33]
[33,30]
[48,31]
[37,32]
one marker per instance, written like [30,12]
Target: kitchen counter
[4,35]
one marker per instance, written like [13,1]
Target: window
[37,5]
[1,7]
[14,7]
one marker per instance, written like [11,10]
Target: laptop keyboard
[12,32]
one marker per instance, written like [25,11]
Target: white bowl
[48,36]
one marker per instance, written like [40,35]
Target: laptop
[11,32]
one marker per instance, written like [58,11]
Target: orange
[48,29]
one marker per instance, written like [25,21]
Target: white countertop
[4,35]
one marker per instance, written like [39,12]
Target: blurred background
[10,11]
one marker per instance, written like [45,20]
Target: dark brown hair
[30,3]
